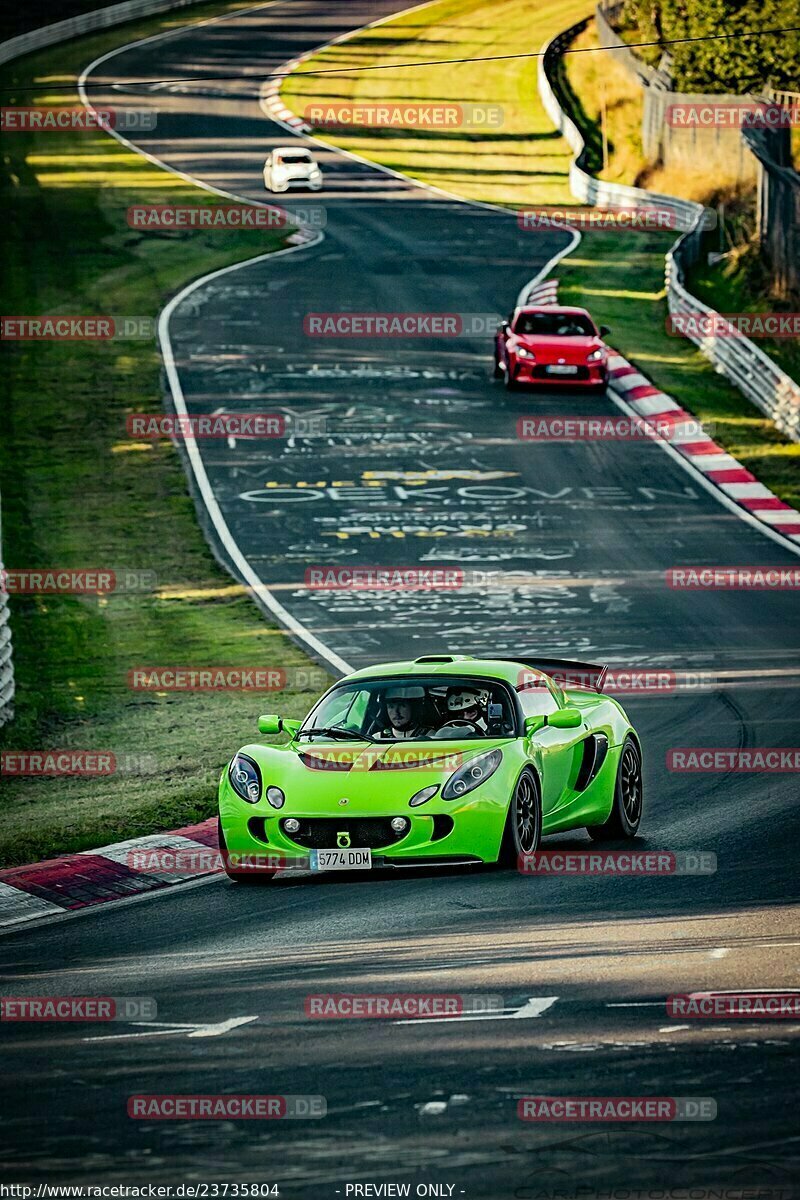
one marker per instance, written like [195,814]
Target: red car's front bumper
[589,375]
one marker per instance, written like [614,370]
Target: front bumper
[440,832]
[534,374]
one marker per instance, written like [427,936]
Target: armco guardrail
[100,18]
[6,665]
[735,357]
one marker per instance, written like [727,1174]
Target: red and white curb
[679,429]
[272,104]
[78,881]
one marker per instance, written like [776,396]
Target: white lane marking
[638,1004]
[673,1028]
[169,1028]
[156,37]
[259,590]
[433,1108]
[548,266]
[534,1007]
[720,952]
[290,66]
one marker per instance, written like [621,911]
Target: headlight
[245,778]
[471,775]
[595,355]
[524,352]
[423,796]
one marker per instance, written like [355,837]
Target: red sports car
[551,345]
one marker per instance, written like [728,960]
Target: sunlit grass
[77,493]
[516,164]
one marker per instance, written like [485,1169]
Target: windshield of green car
[418,707]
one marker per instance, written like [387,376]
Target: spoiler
[568,673]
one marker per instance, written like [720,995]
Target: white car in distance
[291,166]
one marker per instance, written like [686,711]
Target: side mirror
[534,724]
[270,724]
[275,724]
[604,330]
[565,718]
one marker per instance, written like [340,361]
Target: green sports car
[445,760]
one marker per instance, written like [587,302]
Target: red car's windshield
[554,325]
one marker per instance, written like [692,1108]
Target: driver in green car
[465,714]
[404,712]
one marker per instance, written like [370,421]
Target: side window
[358,710]
[536,699]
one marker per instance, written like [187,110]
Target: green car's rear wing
[567,672]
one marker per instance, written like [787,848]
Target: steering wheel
[455,725]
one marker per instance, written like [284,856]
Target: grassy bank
[619,275]
[77,492]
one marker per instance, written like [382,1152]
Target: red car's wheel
[508,378]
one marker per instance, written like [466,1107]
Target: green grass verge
[77,492]
[619,276]
[523,161]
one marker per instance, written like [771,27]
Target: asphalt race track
[419,464]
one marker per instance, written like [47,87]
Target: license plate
[341,860]
[558,369]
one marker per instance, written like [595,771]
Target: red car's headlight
[596,355]
[523,352]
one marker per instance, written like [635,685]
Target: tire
[523,828]
[626,811]
[247,877]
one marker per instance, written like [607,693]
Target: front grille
[540,372]
[365,832]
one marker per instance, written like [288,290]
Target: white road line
[156,37]
[534,1007]
[169,1028]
